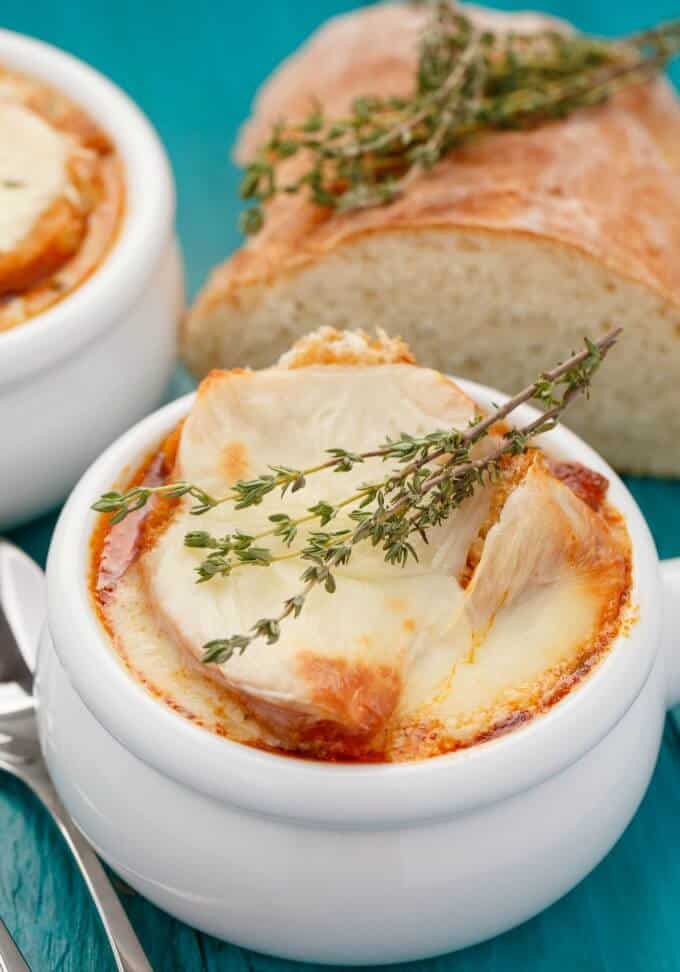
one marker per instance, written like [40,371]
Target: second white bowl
[75,376]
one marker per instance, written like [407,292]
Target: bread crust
[603,182]
[53,238]
[328,346]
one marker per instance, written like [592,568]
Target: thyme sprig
[121,505]
[468,81]
[433,475]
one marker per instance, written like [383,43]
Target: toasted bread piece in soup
[513,598]
[509,251]
[61,197]
[329,346]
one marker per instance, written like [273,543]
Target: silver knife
[11,959]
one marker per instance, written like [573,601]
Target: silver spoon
[22,611]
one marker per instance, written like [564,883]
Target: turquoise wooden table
[192,67]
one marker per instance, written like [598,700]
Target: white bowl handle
[670,576]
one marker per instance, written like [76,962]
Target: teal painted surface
[192,67]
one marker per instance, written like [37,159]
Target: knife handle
[11,959]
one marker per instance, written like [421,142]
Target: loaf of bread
[491,266]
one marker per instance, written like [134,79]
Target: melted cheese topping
[62,196]
[340,660]
[398,662]
[33,174]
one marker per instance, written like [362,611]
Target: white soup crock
[341,863]
[75,376]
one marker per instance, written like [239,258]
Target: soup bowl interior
[329,792]
[147,222]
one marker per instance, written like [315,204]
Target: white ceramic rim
[344,795]
[147,222]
